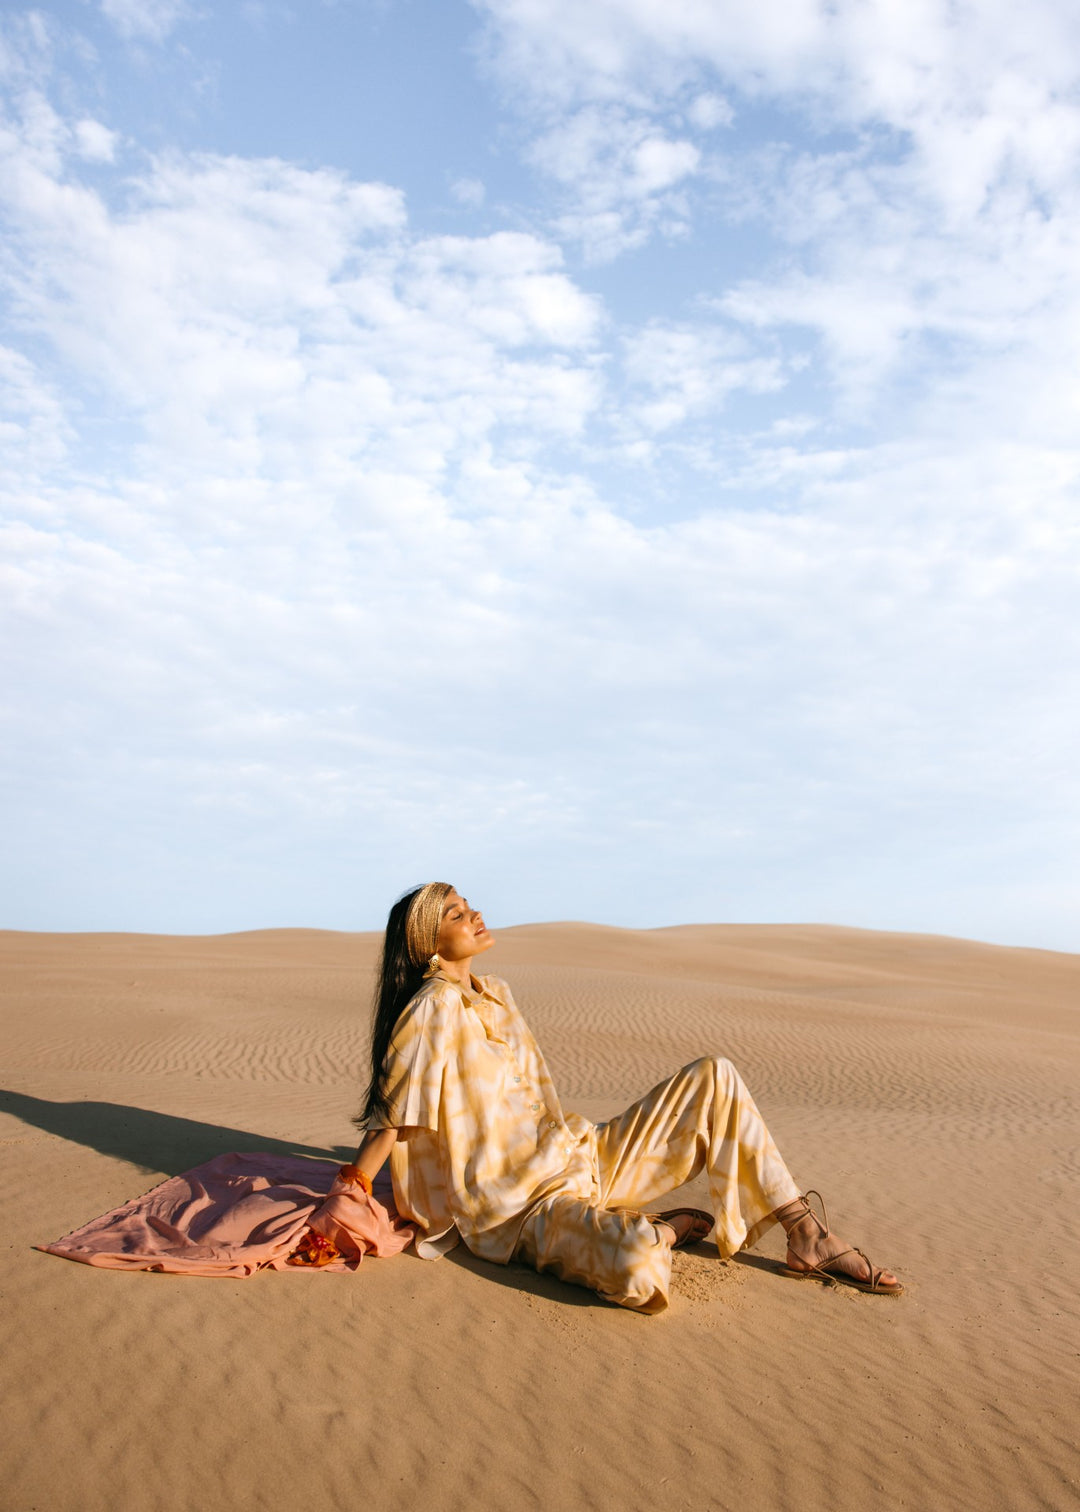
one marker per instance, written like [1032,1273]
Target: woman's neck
[458,971]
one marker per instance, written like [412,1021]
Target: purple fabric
[235,1215]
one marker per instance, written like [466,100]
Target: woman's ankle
[792,1213]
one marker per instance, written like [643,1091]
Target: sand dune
[926,1085]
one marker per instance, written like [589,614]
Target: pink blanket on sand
[238,1214]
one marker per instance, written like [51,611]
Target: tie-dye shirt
[487,1138]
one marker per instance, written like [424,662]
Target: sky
[617,456]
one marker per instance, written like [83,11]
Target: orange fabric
[313,1249]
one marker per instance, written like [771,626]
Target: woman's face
[462,933]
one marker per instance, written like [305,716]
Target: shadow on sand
[152,1142]
[521,1278]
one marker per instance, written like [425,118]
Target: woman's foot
[814,1251]
[685,1225]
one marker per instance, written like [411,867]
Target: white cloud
[94,142]
[34,430]
[708,111]
[146,20]
[621,176]
[657,163]
[892,288]
[261,312]
[469,191]
[26,47]
[952,206]
[882,58]
[689,370]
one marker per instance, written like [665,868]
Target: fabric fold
[238,1214]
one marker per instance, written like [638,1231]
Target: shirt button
[552,1123]
[536,1107]
[517,1078]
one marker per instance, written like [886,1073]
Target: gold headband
[423,920]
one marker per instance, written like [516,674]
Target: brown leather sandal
[701,1227]
[824,1272]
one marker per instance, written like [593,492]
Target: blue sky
[619,457]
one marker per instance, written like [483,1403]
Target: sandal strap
[822,1225]
[824,1266]
[875,1275]
[808,1212]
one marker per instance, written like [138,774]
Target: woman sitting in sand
[461,1101]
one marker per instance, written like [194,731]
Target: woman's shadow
[152,1142]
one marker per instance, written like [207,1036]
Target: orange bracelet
[352,1175]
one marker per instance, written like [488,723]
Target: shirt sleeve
[416,1060]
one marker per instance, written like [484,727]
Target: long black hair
[399,979]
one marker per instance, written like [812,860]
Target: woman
[461,1101]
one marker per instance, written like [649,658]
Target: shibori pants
[702,1119]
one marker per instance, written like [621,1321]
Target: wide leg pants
[701,1119]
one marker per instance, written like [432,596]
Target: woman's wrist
[352,1175]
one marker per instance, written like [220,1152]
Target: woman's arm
[371,1156]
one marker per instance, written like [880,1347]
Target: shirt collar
[475,989]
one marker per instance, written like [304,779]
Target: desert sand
[927,1086]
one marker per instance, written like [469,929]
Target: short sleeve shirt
[486,1135]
